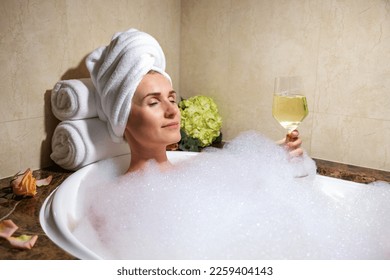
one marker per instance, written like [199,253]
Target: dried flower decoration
[7,228]
[26,185]
[23,241]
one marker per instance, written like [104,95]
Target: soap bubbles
[241,202]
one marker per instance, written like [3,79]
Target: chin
[171,138]
[175,140]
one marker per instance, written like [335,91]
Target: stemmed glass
[289,106]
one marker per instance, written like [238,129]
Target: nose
[170,110]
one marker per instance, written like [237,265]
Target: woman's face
[154,118]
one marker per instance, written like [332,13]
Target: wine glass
[289,106]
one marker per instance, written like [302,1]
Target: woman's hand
[292,143]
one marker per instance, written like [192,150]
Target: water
[242,202]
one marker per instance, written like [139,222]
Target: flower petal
[7,228]
[23,241]
[44,182]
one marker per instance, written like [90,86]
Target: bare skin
[293,143]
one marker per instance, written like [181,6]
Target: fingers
[294,133]
[292,136]
[293,143]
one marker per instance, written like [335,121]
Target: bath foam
[241,202]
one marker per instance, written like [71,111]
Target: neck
[140,155]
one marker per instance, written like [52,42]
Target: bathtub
[60,212]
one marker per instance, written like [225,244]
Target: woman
[137,100]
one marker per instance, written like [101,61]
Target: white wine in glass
[289,106]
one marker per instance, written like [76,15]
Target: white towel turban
[116,71]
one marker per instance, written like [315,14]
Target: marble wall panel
[353,59]
[204,58]
[341,48]
[357,140]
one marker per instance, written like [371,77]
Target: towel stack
[81,137]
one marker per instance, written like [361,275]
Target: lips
[171,125]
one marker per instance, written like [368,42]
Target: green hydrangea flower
[200,119]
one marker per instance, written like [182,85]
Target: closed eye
[172,96]
[153,103]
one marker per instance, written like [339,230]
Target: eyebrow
[157,94]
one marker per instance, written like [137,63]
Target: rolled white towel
[81,142]
[74,99]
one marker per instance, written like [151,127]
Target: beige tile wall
[228,49]
[43,41]
[233,49]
